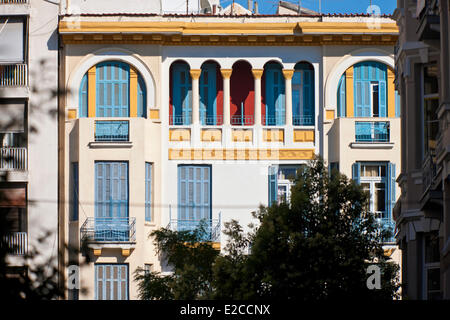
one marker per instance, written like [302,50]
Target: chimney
[214,8]
[256,7]
[250,5]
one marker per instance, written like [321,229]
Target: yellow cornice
[224,28]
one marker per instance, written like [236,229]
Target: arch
[109,54]
[273,94]
[354,57]
[180,93]
[303,94]
[242,93]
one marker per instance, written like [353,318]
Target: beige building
[422,212]
[170,119]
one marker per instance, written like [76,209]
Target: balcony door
[194,196]
[111,201]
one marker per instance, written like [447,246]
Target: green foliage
[318,247]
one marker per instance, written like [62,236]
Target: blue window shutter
[390,190]
[341,97]
[356,172]
[83,98]
[273,184]
[208,103]
[112,85]
[148,191]
[75,199]
[308,93]
[397,104]
[142,98]
[182,91]
[280,106]
[382,93]
[182,192]
[111,282]
[270,103]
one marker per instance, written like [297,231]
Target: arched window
[181,94]
[116,86]
[370,89]
[275,113]
[303,95]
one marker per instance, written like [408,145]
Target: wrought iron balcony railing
[429,171]
[109,230]
[274,120]
[372,131]
[14,75]
[17,243]
[303,120]
[216,120]
[112,131]
[241,120]
[211,227]
[178,120]
[12,159]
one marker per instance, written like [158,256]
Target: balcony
[372,132]
[211,120]
[303,120]
[429,24]
[13,159]
[431,193]
[110,131]
[274,120]
[242,120]
[14,75]
[13,1]
[180,120]
[17,243]
[109,230]
[211,227]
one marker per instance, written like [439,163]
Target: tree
[191,259]
[317,247]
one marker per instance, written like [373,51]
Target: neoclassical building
[171,119]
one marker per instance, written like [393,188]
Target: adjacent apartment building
[28,131]
[423,210]
[171,118]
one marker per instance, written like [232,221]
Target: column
[133,92]
[288,74]
[226,74]
[257,74]
[195,75]
[349,91]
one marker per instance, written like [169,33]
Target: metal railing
[13,158]
[372,131]
[112,130]
[387,224]
[303,120]
[216,120]
[185,119]
[109,230]
[211,227]
[17,243]
[274,120]
[241,120]
[429,171]
[14,75]
[13,1]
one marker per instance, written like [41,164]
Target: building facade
[29,131]
[170,119]
[422,212]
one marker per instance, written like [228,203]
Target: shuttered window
[208,92]
[181,95]
[341,98]
[370,89]
[194,195]
[303,95]
[148,191]
[111,197]
[275,95]
[83,98]
[112,89]
[111,282]
[141,99]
